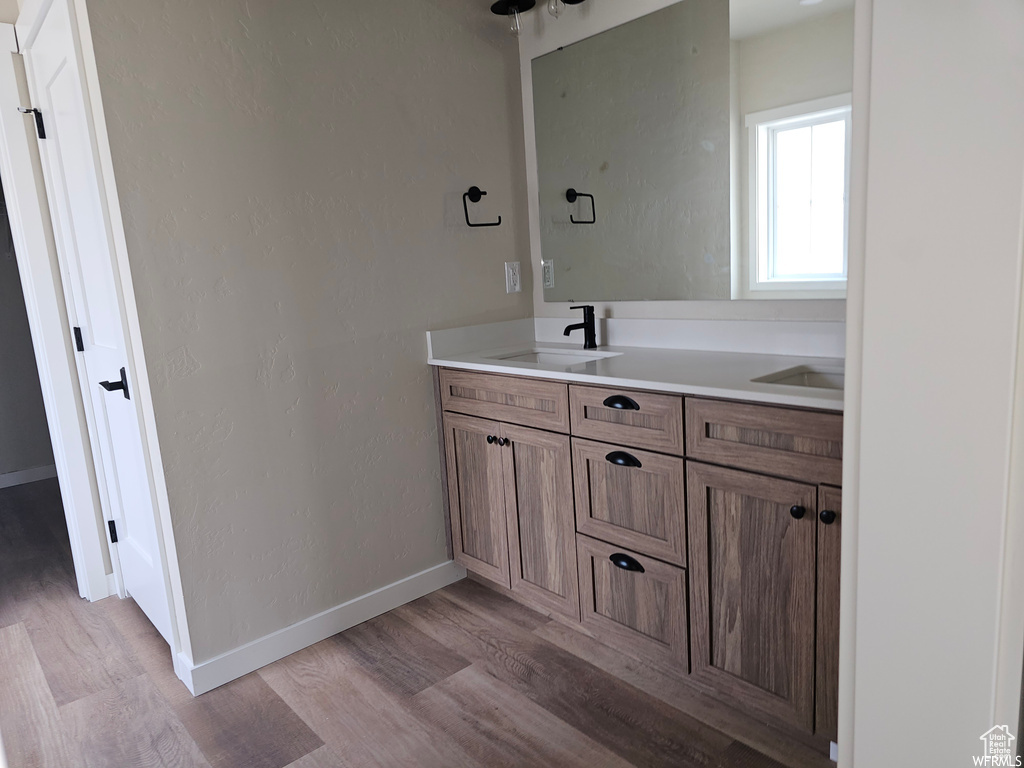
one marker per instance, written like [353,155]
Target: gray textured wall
[291,176]
[24,436]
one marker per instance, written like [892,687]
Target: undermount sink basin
[555,357]
[821,377]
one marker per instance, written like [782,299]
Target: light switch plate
[513,282]
[549,273]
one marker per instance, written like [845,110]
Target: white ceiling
[752,17]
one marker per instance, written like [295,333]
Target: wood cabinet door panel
[650,421]
[803,445]
[826,699]
[541,535]
[640,613]
[642,508]
[477,496]
[512,399]
[752,589]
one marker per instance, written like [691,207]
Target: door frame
[46,303]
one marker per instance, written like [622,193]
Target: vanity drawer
[641,612]
[530,402]
[631,498]
[803,445]
[628,417]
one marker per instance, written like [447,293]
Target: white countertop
[690,372]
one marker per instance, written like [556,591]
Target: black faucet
[589,329]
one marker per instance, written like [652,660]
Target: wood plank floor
[462,677]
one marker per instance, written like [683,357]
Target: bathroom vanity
[693,528]
[677,499]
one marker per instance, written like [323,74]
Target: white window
[799,163]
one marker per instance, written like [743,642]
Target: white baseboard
[23,476]
[206,676]
[111,585]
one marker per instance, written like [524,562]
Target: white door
[87,264]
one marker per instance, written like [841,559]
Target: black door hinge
[40,128]
[79,344]
[113,531]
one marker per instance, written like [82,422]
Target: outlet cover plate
[548,267]
[513,280]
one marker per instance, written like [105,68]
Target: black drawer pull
[623,459]
[828,516]
[797,511]
[621,402]
[625,562]
[491,439]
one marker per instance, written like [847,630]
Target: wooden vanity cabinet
[639,419]
[771,440]
[476,494]
[635,603]
[710,553]
[752,589]
[826,716]
[630,497]
[510,491]
[764,559]
[538,510]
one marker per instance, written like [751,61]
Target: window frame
[761,128]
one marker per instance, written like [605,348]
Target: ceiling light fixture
[512,9]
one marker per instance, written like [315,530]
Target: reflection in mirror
[698,152]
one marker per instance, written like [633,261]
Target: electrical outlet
[549,273]
[513,283]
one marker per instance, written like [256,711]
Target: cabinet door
[631,498]
[752,590]
[477,496]
[541,530]
[826,707]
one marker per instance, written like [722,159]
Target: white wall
[941,287]
[291,179]
[24,435]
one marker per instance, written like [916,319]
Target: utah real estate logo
[998,749]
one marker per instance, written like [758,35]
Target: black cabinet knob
[503,441]
[828,516]
[797,511]
[491,439]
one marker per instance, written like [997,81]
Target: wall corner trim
[207,675]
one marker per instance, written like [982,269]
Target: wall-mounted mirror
[698,152]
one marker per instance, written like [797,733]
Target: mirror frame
[543,34]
